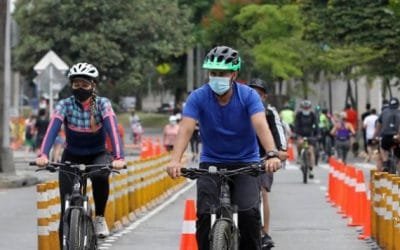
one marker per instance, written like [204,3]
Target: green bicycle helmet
[222,58]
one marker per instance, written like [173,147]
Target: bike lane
[300,219]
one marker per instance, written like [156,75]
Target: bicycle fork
[225,200]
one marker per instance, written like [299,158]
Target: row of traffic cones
[347,191]
[151,149]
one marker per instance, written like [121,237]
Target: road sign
[51,74]
[51,58]
[50,82]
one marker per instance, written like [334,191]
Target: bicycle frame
[225,210]
[224,217]
[77,205]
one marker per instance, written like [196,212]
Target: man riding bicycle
[86,118]
[231,116]
[306,127]
[387,127]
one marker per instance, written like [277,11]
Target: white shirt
[369,124]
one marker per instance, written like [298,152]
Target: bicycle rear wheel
[304,165]
[221,236]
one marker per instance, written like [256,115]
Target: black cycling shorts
[266,180]
[387,142]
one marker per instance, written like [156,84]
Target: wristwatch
[272,154]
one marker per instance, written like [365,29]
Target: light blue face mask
[220,85]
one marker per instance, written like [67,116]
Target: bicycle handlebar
[54,166]
[194,173]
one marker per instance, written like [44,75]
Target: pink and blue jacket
[80,138]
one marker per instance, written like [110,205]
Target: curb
[16,181]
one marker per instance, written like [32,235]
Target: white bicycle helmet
[85,70]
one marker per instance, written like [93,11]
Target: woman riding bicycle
[86,118]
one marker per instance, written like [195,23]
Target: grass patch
[149,120]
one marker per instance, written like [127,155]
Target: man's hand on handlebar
[272,164]
[174,169]
[42,161]
[118,164]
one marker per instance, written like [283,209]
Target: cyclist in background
[86,118]
[388,125]
[278,133]
[343,132]
[306,127]
[218,106]
[325,125]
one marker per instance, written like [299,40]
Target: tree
[124,39]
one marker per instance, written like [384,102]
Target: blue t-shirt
[226,131]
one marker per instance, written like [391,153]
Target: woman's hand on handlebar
[118,164]
[42,161]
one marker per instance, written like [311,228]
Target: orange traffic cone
[367,220]
[188,238]
[352,203]
[157,147]
[290,151]
[357,219]
[144,149]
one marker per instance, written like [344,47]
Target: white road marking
[316,181]
[158,209]
[323,188]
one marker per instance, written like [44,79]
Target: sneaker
[311,175]
[266,242]
[101,227]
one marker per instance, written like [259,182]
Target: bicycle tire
[76,234]
[304,166]
[90,233]
[221,236]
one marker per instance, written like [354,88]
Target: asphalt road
[300,218]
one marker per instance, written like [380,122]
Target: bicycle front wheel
[76,236]
[221,236]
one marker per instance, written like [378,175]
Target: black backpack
[391,124]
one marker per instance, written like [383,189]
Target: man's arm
[186,128]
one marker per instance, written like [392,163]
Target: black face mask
[82,94]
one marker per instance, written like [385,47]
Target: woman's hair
[93,111]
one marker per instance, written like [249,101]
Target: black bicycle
[77,224]
[224,234]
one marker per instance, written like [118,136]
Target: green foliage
[357,24]
[273,35]
[124,39]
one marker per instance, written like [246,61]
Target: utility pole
[6,156]
[189,69]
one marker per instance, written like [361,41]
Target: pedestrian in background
[343,132]
[30,133]
[41,125]
[194,143]
[170,132]
[369,125]
[363,116]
